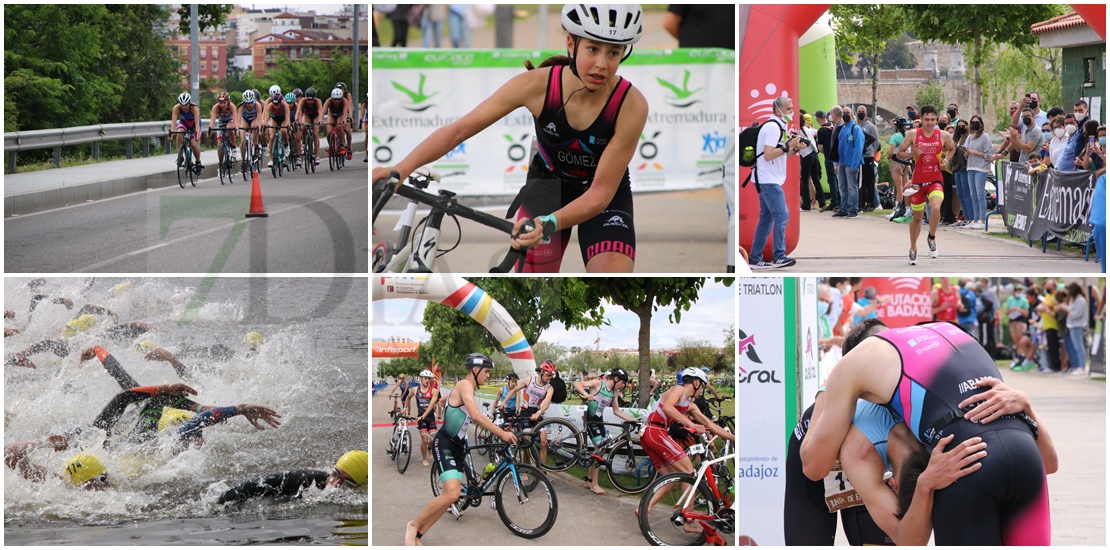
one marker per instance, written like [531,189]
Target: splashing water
[311,369]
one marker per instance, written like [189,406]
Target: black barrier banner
[1062,205]
[1018,198]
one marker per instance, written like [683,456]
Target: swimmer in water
[350,471]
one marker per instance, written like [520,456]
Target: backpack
[968,306]
[748,142]
[560,387]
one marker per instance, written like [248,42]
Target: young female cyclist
[588,122]
[426,397]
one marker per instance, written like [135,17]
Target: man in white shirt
[770,175]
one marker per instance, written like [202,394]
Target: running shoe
[783,262]
[852,216]
[932,248]
[839,214]
[760,265]
[903,219]
[913,257]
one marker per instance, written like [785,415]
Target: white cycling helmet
[610,23]
[248,97]
[426,374]
[337,93]
[184,98]
[275,89]
[694,373]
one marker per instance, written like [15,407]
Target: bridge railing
[96,134]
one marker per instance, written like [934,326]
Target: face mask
[1080,116]
[861,116]
[1047,136]
[1059,132]
[1033,104]
[1026,121]
[1102,141]
[1012,111]
[975,125]
[1070,129]
[941,125]
[951,113]
[788,116]
[912,115]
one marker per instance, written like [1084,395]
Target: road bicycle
[410,256]
[716,445]
[308,144]
[186,169]
[252,158]
[524,498]
[627,465]
[336,152]
[277,158]
[690,509]
[400,443]
[226,167]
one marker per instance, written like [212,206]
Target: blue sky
[706,320]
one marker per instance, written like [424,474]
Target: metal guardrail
[95,134]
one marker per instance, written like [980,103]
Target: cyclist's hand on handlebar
[382,173]
[526,240]
[507,436]
[697,429]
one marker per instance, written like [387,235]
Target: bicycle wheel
[404,450]
[394,444]
[630,469]
[222,168]
[657,525]
[331,153]
[482,436]
[527,502]
[181,168]
[193,174]
[280,163]
[564,442]
[437,485]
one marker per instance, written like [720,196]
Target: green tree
[1014,72]
[136,38]
[643,296]
[209,16]
[728,350]
[930,94]
[982,27]
[862,31]
[897,54]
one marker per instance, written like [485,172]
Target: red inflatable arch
[768,68]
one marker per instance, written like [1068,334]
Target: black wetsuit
[282,486]
[151,412]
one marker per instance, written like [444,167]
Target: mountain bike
[226,167]
[524,498]
[690,509]
[336,153]
[186,169]
[400,443]
[277,159]
[410,256]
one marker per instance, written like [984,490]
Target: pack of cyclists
[264,116]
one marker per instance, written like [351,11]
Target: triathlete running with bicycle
[310,108]
[426,397]
[601,393]
[588,124]
[537,393]
[449,445]
[184,118]
[223,118]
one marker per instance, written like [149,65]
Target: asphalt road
[317,224]
[871,244]
[680,231]
[584,519]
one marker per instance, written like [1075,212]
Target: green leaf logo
[416,97]
[681,95]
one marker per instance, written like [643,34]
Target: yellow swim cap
[145,345]
[355,464]
[121,288]
[80,324]
[82,468]
[253,339]
[172,417]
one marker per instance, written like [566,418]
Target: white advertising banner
[764,379]
[690,95]
[809,344]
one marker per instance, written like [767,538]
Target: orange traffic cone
[257,210]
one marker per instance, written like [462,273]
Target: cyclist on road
[348,121]
[310,109]
[248,113]
[339,110]
[426,397]
[185,117]
[366,128]
[224,111]
[403,391]
[601,393]
[675,417]
[588,124]
[449,446]
[291,101]
[277,111]
[537,392]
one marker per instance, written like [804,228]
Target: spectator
[1097,217]
[1046,133]
[953,112]
[1075,138]
[771,174]
[400,19]
[1035,164]
[1077,328]
[1017,310]
[986,311]
[899,171]
[1031,101]
[868,193]
[1094,139]
[1008,148]
[431,23]
[967,312]
[1026,142]
[458,25]
[813,195]
[1047,310]
[1059,139]
[978,147]
[950,206]
[958,164]
[828,342]
[850,143]
[911,112]
[826,145]
[701,25]
[865,307]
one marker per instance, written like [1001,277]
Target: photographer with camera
[776,145]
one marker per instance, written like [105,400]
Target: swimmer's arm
[832,416]
[509,97]
[865,468]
